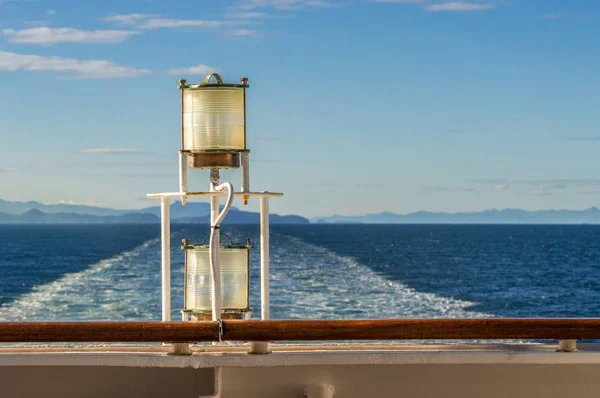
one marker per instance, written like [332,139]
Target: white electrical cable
[215,266]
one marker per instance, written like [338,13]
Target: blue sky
[355,106]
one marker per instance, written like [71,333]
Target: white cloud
[50,12]
[447,6]
[128,19]
[398,1]
[459,6]
[46,35]
[68,67]
[249,15]
[288,4]
[148,21]
[193,70]
[242,32]
[437,188]
[10,170]
[112,151]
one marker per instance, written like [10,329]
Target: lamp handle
[222,233]
[216,76]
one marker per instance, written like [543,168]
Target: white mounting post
[183,183]
[165,238]
[264,258]
[567,346]
[262,347]
[245,174]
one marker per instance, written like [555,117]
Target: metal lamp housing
[235,278]
[213,122]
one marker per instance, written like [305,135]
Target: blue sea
[112,272]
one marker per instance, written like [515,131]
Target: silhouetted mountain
[35,216]
[244,217]
[191,209]
[191,213]
[506,216]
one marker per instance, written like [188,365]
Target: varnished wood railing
[283,330]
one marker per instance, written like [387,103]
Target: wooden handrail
[292,330]
[36,332]
[413,329]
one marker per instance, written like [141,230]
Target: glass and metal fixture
[213,137]
[235,280]
[213,118]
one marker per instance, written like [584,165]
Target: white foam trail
[103,291]
[307,282]
[310,281]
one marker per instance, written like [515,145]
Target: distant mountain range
[33,212]
[506,216]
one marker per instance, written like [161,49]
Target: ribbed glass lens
[234,279]
[213,119]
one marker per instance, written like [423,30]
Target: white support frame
[165,219]
[165,248]
[265,311]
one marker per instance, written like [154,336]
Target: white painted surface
[264,258]
[183,183]
[165,248]
[245,158]
[284,356]
[418,371]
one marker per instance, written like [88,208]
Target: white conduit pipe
[215,244]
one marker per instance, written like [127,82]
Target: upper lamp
[213,122]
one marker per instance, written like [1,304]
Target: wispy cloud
[50,12]
[459,6]
[288,4]
[46,35]
[447,6]
[398,1]
[592,192]
[112,151]
[67,67]
[193,70]
[585,138]
[436,188]
[569,14]
[248,15]
[543,187]
[9,170]
[242,32]
[150,21]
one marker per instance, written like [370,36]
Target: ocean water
[112,272]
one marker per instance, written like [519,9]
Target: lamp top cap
[208,84]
